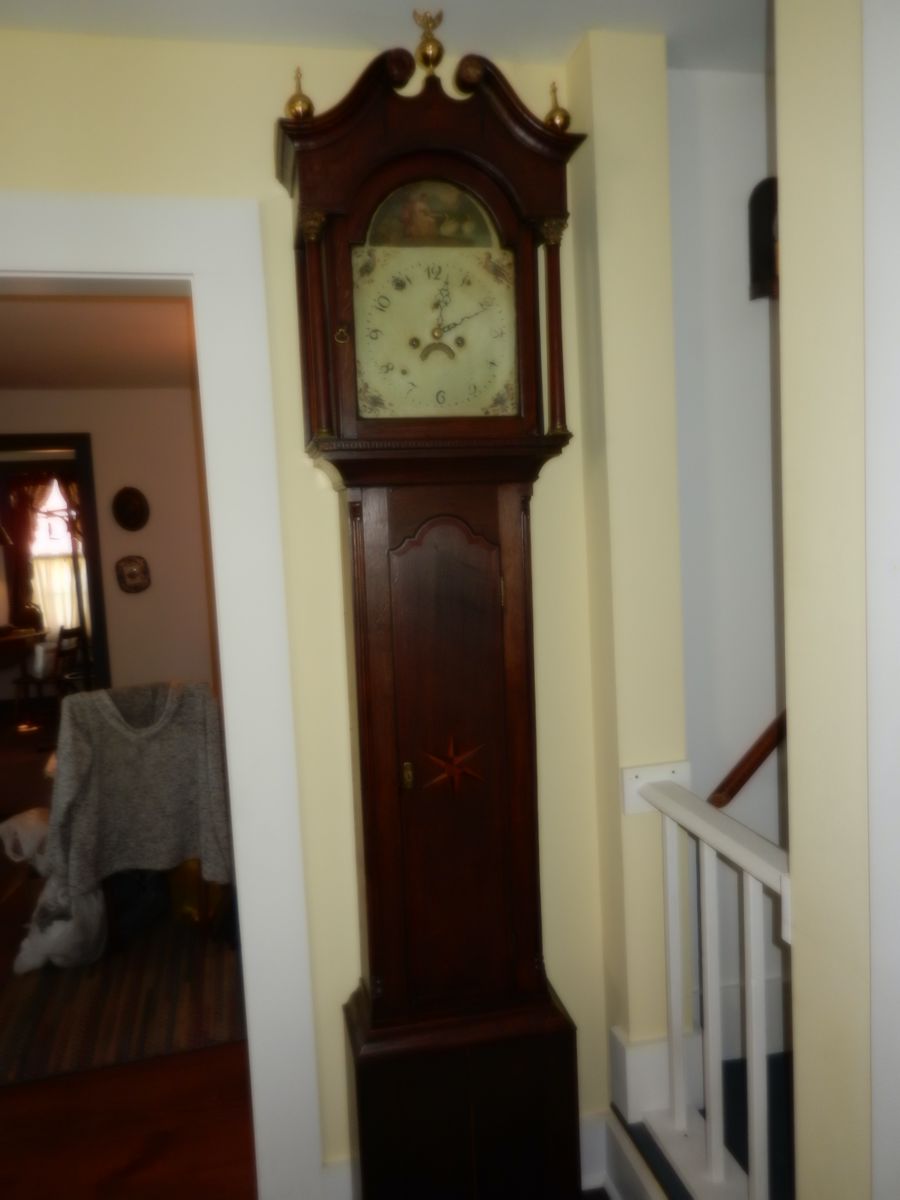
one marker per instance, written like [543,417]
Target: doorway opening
[114,405]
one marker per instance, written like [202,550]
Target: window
[54,553]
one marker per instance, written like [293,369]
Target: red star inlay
[452,769]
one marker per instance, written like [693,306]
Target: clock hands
[442,302]
[421,350]
[440,328]
[482,308]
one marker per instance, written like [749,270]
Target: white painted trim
[632,779]
[712,1024]
[215,246]
[593,1150]
[674,964]
[686,1154]
[755,1034]
[627,1175]
[639,1074]
[735,842]
[337,1181]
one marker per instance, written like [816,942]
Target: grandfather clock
[420,221]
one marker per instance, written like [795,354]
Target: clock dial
[434,303]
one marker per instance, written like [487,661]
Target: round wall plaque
[130,508]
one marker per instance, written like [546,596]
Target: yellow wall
[188,119]
[620,203]
[818,80]
[144,117]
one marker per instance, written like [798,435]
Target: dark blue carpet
[781,1129]
[781,1120]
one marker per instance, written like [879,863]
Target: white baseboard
[627,1175]
[640,1074]
[640,1070]
[337,1181]
[593,1150]
[685,1152]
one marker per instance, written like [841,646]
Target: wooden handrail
[747,766]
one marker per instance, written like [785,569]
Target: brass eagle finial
[429,51]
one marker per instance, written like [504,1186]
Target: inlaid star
[452,768]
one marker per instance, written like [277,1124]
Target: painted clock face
[434,309]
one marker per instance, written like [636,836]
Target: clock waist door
[448,808]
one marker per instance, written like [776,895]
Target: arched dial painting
[434,308]
[424,224]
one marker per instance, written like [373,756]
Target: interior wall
[214,248]
[145,439]
[719,152]
[199,122]
[618,83]
[881,46]
[722,353]
[820,171]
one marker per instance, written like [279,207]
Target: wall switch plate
[634,778]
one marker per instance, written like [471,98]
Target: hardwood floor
[172,1127]
[166,1127]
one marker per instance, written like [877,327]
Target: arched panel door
[446,602]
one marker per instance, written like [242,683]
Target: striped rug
[174,988]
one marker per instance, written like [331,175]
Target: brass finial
[299,107]
[429,51]
[557,118]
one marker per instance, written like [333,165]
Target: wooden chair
[70,671]
[65,672]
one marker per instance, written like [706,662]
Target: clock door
[449,680]
[446,720]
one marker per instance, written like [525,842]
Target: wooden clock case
[463,1066]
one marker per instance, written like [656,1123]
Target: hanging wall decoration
[133,573]
[130,508]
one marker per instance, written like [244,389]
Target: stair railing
[747,766]
[695,1146]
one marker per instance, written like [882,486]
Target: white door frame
[215,246]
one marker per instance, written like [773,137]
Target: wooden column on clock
[463,1064]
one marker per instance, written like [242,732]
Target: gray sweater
[140,783]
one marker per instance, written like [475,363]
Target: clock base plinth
[479,1106]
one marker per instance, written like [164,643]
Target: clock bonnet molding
[339,167]
[420,219]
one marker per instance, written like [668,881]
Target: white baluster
[674,986]
[755,1031]
[712,1011]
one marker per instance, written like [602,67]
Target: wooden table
[16,643]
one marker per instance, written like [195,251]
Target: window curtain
[69,489]
[75,614]
[26,495]
[53,587]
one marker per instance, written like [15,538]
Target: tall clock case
[420,219]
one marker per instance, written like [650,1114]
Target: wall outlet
[634,778]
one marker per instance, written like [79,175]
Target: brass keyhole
[342,334]
[408,776]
